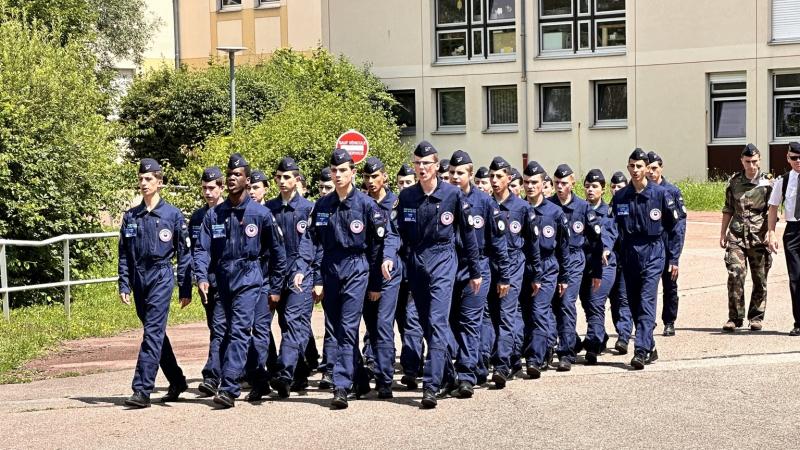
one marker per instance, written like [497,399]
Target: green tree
[58,172]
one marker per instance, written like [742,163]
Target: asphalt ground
[708,390]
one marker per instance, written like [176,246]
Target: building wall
[671,50]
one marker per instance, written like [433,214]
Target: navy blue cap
[638,155]
[794,147]
[533,168]
[340,156]
[562,171]
[372,165]
[653,157]
[258,176]
[149,165]
[547,178]
[444,166]
[618,177]
[424,149]
[459,158]
[288,164]
[236,160]
[405,171]
[325,174]
[211,173]
[750,150]
[595,176]
[482,172]
[498,163]
[515,175]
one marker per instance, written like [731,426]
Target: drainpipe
[176,21]
[524,69]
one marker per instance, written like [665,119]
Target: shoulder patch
[396,202]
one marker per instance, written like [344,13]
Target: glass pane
[556,7]
[502,41]
[231,2]
[583,7]
[451,108]
[477,42]
[452,44]
[503,106]
[556,37]
[556,104]
[726,87]
[451,11]
[789,80]
[501,9]
[612,101]
[730,119]
[477,10]
[787,117]
[610,34]
[610,5]
[583,36]
[405,110]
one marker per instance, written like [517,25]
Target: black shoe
[564,365]
[339,399]
[174,392]
[651,357]
[795,331]
[410,381]
[550,355]
[281,387]
[326,382]
[362,388]
[639,360]
[208,387]
[299,385]
[533,371]
[591,358]
[464,389]
[499,379]
[669,329]
[138,400]
[257,393]
[578,345]
[385,392]
[429,399]
[224,399]
[621,347]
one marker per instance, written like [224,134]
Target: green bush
[703,195]
[57,158]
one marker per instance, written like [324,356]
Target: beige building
[576,81]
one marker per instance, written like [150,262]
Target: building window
[451,109]
[502,107]
[230,4]
[405,111]
[581,26]
[475,30]
[555,110]
[786,101]
[611,103]
[728,108]
[785,20]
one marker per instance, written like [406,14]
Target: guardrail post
[4,282]
[66,278]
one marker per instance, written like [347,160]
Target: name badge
[622,210]
[322,219]
[409,215]
[217,231]
[130,230]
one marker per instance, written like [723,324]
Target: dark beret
[236,160]
[424,149]
[372,165]
[533,168]
[618,177]
[562,171]
[340,156]
[498,163]
[287,164]
[482,172]
[595,176]
[258,176]
[405,171]
[638,155]
[149,165]
[211,174]
[460,158]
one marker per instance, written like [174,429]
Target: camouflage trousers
[736,260]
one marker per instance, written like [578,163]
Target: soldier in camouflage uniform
[744,238]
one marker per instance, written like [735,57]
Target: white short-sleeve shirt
[791,195]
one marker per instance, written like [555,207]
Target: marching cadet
[444,170]
[467,309]
[432,215]
[669,279]
[241,245]
[380,306]
[482,180]
[515,185]
[212,183]
[350,229]
[618,297]
[151,234]
[537,297]
[523,252]
[548,190]
[584,224]
[644,212]
[743,235]
[594,300]
[325,182]
[405,177]
[292,212]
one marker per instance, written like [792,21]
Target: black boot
[339,399]
[429,399]
[225,399]
[138,400]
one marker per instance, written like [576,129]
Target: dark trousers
[216,328]
[294,318]
[791,248]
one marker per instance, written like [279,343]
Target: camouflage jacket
[746,201]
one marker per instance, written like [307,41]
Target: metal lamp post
[231,57]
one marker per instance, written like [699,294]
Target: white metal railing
[66,283]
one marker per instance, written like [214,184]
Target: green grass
[703,196]
[96,312]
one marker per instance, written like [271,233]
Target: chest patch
[446,218]
[515,227]
[409,215]
[165,235]
[217,231]
[322,219]
[548,231]
[130,230]
[623,210]
[577,227]
[251,230]
[655,214]
[478,221]
[501,225]
[301,226]
[356,226]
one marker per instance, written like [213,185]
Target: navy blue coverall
[669,288]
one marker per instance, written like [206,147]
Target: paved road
[708,390]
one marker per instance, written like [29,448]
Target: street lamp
[231,52]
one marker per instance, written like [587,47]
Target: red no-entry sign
[354,143]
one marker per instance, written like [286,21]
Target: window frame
[484,27]
[783,40]
[223,7]
[780,94]
[407,130]
[449,128]
[576,18]
[501,126]
[553,125]
[561,51]
[717,96]
[608,123]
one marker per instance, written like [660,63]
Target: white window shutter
[785,20]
